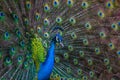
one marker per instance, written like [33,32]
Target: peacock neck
[50,55]
[47,66]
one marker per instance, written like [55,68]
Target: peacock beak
[61,44]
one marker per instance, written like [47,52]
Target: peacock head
[58,37]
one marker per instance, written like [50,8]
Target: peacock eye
[91,73]
[81,53]
[37,16]
[46,8]
[70,3]
[109,4]
[46,35]
[70,48]
[75,61]
[57,59]
[2,14]
[46,22]
[111,45]
[68,70]
[97,50]
[55,3]
[6,36]
[85,41]
[28,4]
[72,20]
[73,35]
[26,21]
[109,68]
[7,61]
[101,14]
[118,52]
[22,43]
[12,51]
[84,78]
[114,26]
[26,64]
[106,61]
[102,34]
[19,59]
[90,62]
[59,20]
[118,23]
[79,71]
[84,5]
[66,56]
[38,29]
[18,33]
[88,26]
[15,16]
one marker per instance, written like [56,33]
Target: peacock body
[60,39]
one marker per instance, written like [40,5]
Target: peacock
[59,39]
